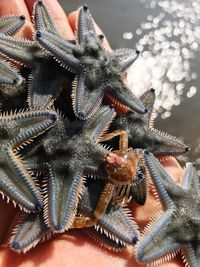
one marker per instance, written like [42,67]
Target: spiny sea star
[98,71]
[142,134]
[178,226]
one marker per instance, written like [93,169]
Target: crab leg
[106,195]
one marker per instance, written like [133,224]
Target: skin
[73,248]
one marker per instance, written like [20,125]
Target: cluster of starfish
[48,163]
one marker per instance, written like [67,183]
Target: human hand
[73,248]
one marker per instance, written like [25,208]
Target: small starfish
[47,76]
[116,228]
[16,130]
[178,226]
[9,26]
[67,150]
[142,134]
[98,71]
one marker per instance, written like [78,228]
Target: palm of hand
[72,248]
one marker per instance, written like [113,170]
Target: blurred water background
[168,34]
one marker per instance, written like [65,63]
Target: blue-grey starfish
[16,130]
[98,70]
[9,26]
[142,134]
[66,151]
[178,226]
[114,230]
[47,76]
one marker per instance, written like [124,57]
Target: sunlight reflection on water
[168,41]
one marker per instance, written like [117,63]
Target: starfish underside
[9,26]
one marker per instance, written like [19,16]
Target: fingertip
[72,19]
[173,168]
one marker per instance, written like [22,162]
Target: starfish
[10,25]
[47,76]
[98,70]
[17,130]
[142,134]
[114,230]
[68,150]
[178,226]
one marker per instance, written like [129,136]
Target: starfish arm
[84,23]
[161,143]
[30,124]
[43,19]
[29,232]
[119,224]
[122,94]
[139,186]
[190,178]
[159,175]
[98,124]
[146,249]
[20,195]
[126,62]
[103,240]
[62,197]
[18,184]
[148,99]
[61,49]
[18,49]
[192,255]
[85,102]
[156,245]
[45,84]
[9,75]
[11,24]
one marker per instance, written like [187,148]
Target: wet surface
[168,34]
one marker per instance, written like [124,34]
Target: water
[168,34]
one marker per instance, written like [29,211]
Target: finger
[58,15]
[75,250]
[17,8]
[73,16]
[173,168]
